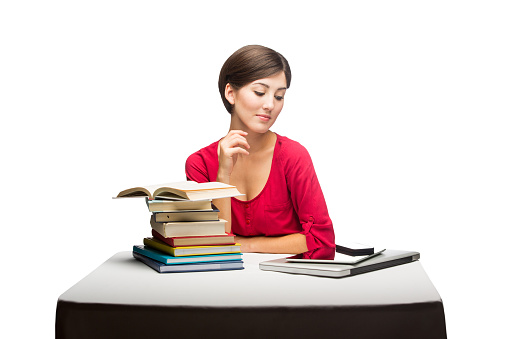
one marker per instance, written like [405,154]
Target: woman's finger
[235,140]
[240,141]
[231,151]
[237,131]
[239,150]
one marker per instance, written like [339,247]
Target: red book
[204,240]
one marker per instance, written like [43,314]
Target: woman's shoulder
[204,156]
[206,152]
[201,164]
[291,149]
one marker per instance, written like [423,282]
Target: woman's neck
[260,141]
[257,141]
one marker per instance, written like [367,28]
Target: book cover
[188,228]
[187,215]
[189,250]
[196,267]
[204,240]
[164,205]
[187,190]
[355,249]
[171,260]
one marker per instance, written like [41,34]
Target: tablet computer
[335,258]
[382,260]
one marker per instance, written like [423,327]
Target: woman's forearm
[288,244]
[224,204]
[224,207]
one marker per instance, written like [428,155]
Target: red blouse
[291,201]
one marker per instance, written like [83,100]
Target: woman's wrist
[222,177]
[245,243]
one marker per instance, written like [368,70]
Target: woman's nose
[268,104]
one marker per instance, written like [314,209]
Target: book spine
[169,241]
[158,246]
[150,254]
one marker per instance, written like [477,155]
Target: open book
[184,190]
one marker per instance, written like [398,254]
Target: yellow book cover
[190,250]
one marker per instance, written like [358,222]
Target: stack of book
[187,234]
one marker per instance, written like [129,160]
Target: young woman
[283,209]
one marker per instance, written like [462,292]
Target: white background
[403,106]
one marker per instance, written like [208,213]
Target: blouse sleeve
[308,199]
[196,169]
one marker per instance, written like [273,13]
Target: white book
[187,190]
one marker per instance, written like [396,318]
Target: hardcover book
[188,228]
[171,260]
[190,250]
[204,240]
[196,215]
[196,267]
[355,249]
[184,190]
[164,205]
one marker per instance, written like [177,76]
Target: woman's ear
[228,94]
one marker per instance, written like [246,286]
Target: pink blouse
[291,201]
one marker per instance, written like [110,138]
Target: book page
[194,186]
[184,186]
[176,185]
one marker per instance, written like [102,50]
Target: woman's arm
[233,144]
[225,211]
[288,244]
[197,170]
[307,197]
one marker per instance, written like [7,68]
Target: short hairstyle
[248,64]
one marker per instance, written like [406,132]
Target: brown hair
[248,64]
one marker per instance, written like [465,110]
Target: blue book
[171,260]
[195,267]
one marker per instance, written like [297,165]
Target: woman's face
[257,105]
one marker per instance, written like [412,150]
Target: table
[123,298]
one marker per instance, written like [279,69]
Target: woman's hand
[233,144]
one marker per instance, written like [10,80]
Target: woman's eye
[279,97]
[259,93]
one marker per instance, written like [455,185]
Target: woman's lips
[263,117]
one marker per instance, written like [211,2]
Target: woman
[283,209]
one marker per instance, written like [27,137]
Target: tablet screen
[329,255]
